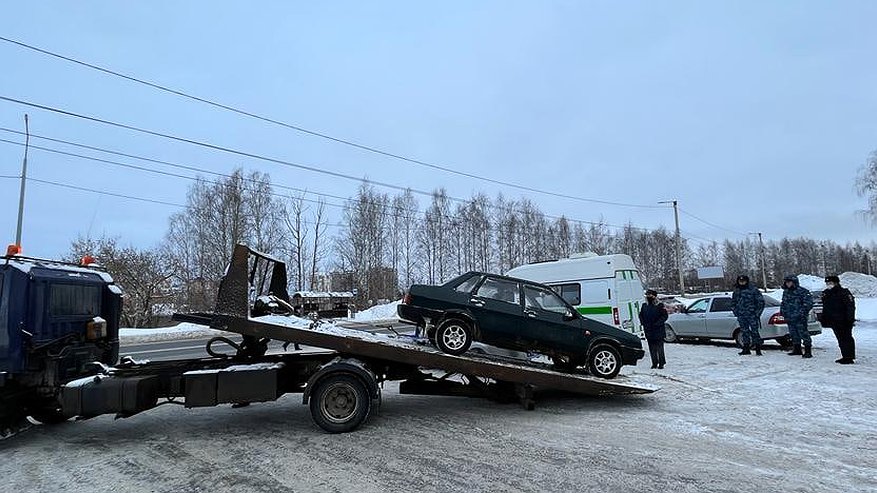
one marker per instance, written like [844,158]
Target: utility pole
[763,268]
[23,182]
[678,244]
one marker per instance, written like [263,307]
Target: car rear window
[468,285]
[74,300]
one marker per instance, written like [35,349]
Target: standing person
[747,303]
[839,313]
[795,308]
[652,316]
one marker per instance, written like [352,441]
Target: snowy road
[721,423]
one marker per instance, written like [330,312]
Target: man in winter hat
[839,314]
[747,303]
[652,316]
[795,308]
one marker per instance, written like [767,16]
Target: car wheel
[670,334]
[785,341]
[738,337]
[340,403]
[453,336]
[604,361]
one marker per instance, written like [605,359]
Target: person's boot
[796,351]
[745,351]
[807,351]
[758,350]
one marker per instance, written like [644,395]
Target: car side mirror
[684,309]
[569,315]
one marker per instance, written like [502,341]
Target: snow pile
[813,283]
[379,312]
[184,330]
[861,285]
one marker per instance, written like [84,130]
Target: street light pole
[23,182]
[678,243]
[763,268]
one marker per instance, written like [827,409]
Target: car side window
[468,285]
[699,306]
[543,299]
[721,305]
[499,289]
[572,293]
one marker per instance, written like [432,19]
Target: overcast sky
[754,115]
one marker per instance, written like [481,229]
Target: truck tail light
[615,319]
[776,319]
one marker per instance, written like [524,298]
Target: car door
[692,321]
[548,322]
[720,321]
[497,308]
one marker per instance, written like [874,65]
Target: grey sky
[755,115]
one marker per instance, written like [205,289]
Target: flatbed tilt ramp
[253,273]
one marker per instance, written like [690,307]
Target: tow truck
[340,376]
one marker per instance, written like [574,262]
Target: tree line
[386,242]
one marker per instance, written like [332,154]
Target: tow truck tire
[340,403]
[604,361]
[453,336]
[49,416]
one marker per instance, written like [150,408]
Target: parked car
[711,318]
[517,314]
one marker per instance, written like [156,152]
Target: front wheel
[340,403]
[604,361]
[453,336]
[670,334]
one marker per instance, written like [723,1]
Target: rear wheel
[670,334]
[340,403]
[453,336]
[604,361]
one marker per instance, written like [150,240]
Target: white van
[601,287]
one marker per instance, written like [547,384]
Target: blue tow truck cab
[55,319]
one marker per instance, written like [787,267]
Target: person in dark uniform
[839,314]
[652,316]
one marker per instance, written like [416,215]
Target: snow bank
[866,309]
[813,283]
[379,312]
[861,285]
[184,330]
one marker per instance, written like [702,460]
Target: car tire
[785,341]
[670,334]
[738,338]
[453,336]
[340,403]
[604,361]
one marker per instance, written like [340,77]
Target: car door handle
[476,302]
[530,313]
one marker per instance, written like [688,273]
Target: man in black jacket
[652,316]
[839,313]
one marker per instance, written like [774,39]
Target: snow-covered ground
[378,313]
[721,423]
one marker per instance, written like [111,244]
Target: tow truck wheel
[49,416]
[604,361]
[453,336]
[340,403]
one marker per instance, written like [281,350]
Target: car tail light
[615,319]
[777,319]
[406,300]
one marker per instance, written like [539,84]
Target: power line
[321,135]
[104,192]
[704,221]
[254,156]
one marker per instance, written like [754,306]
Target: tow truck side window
[74,300]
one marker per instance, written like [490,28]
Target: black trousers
[656,352]
[845,341]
